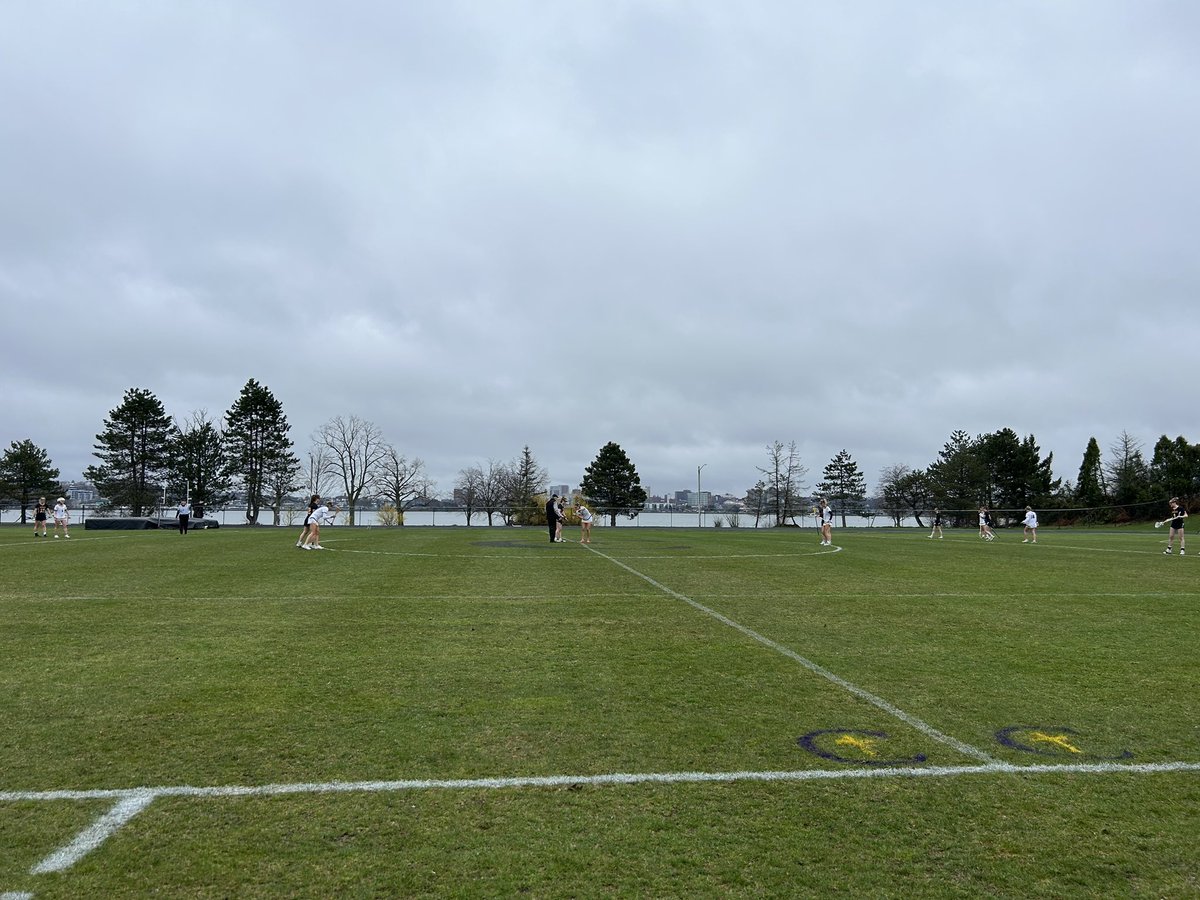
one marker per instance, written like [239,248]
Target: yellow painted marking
[866,746]
[1058,740]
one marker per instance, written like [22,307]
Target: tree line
[145,457]
[1007,473]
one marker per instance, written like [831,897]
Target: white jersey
[323,515]
[826,515]
[1031,519]
[60,511]
[585,514]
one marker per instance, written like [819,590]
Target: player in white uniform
[825,514]
[62,518]
[1030,526]
[585,524]
[322,515]
[985,525]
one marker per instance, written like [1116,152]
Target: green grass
[229,658]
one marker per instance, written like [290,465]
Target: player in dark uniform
[552,518]
[40,513]
[1178,514]
[937,524]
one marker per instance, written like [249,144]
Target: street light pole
[699,502]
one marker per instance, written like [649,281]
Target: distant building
[563,490]
[80,493]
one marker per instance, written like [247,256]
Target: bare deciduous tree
[782,485]
[318,475]
[468,488]
[493,491]
[356,449]
[400,481]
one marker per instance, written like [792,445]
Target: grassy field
[478,712]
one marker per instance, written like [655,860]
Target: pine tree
[1128,474]
[522,483]
[958,478]
[135,453]
[258,451]
[1175,468]
[613,485]
[26,473]
[198,467]
[844,486]
[1090,490]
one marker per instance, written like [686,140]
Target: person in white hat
[62,518]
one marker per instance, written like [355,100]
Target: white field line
[16,895]
[1051,545]
[143,796]
[131,801]
[892,710]
[38,542]
[94,835]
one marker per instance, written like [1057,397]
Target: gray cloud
[689,229]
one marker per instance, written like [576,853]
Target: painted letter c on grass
[1050,740]
[854,747]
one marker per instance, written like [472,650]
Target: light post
[699,502]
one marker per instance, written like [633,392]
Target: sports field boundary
[132,801]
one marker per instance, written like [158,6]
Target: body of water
[449,517]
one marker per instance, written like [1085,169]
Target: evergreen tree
[1091,490]
[958,479]
[135,453]
[523,483]
[844,484]
[258,451]
[613,485]
[1175,468]
[1128,474]
[198,467]
[1017,476]
[26,474]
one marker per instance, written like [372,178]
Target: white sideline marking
[94,835]
[892,710]
[16,895]
[131,801]
[143,796]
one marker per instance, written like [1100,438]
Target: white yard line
[131,801]
[892,710]
[94,835]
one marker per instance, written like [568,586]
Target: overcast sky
[691,228]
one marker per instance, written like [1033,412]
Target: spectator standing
[184,514]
